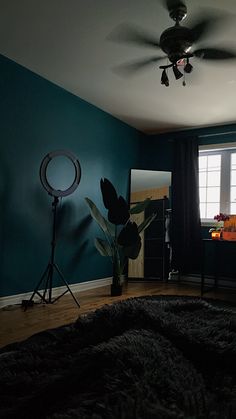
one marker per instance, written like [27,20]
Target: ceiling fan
[176,42]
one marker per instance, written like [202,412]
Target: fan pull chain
[184,81]
[167,70]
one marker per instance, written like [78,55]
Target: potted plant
[216,232]
[121,235]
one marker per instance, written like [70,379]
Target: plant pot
[116,290]
[216,235]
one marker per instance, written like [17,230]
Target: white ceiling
[66,42]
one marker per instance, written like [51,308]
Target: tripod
[47,277]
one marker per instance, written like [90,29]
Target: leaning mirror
[153,262]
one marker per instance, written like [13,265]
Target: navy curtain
[186,224]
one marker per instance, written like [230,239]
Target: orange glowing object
[216,235]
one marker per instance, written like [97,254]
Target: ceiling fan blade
[208,20]
[201,28]
[136,66]
[133,35]
[214,54]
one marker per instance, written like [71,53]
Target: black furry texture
[143,358]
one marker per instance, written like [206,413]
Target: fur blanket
[142,358]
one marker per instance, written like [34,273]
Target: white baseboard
[80,286]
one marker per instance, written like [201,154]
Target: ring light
[46,279]
[43,173]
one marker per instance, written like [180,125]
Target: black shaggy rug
[143,358]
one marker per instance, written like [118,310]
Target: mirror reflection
[153,262]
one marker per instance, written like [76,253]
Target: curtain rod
[218,133]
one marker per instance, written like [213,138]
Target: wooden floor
[17,324]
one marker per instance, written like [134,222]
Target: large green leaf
[132,252]
[119,213]
[109,194]
[97,216]
[103,247]
[141,206]
[128,235]
[146,223]
[111,228]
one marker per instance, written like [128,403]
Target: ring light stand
[47,277]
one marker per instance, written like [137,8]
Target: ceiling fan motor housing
[178,11]
[176,42]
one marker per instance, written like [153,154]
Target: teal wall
[38,117]
[160,151]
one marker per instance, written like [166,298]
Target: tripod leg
[36,290]
[48,284]
[67,285]
[50,275]
[49,270]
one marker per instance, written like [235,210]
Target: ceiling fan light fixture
[164,78]
[177,73]
[188,68]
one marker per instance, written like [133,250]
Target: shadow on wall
[40,211]
[77,236]
[17,253]
[6,188]
[69,234]
[150,126]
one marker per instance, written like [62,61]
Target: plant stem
[116,261]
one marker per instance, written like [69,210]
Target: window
[217,182]
[233,184]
